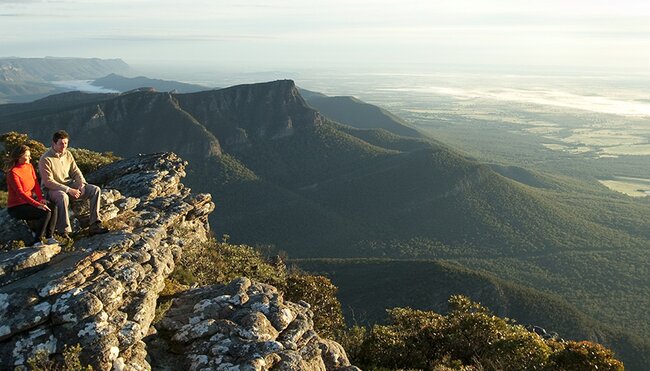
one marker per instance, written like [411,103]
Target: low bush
[42,361]
[215,262]
[469,337]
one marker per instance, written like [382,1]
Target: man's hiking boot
[97,228]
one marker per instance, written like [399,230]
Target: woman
[22,186]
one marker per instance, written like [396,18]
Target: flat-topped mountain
[246,114]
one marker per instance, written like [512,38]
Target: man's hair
[61,134]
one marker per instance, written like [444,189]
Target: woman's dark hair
[14,155]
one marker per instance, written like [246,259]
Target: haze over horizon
[357,35]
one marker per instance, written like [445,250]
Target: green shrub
[13,139]
[41,361]
[388,347]
[214,262]
[89,161]
[474,335]
[469,337]
[320,293]
[584,355]
[352,340]
[411,340]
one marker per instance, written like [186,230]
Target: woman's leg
[29,212]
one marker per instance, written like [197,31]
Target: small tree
[474,335]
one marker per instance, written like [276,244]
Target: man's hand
[74,192]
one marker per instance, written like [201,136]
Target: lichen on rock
[244,338]
[103,294]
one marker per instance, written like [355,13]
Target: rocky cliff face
[243,114]
[127,124]
[102,295]
[131,123]
[197,126]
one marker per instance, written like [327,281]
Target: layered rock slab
[103,295]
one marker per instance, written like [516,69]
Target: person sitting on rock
[63,180]
[22,186]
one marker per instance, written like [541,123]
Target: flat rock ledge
[242,326]
[103,294]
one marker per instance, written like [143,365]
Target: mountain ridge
[120,83]
[27,79]
[351,111]
[281,173]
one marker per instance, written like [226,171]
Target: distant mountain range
[26,79]
[283,174]
[368,188]
[54,69]
[123,84]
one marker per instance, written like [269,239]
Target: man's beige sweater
[59,171]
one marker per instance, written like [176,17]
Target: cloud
[179,37]
[543,97]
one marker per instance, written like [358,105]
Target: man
[63,182]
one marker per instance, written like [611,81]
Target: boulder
[243,325]
[13,229]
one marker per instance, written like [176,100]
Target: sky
[376,35]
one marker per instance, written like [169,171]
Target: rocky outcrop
[102,293]
[13,229]
[243,326]
[243,114]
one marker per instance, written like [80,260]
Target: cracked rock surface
[244,325]
[103,294]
